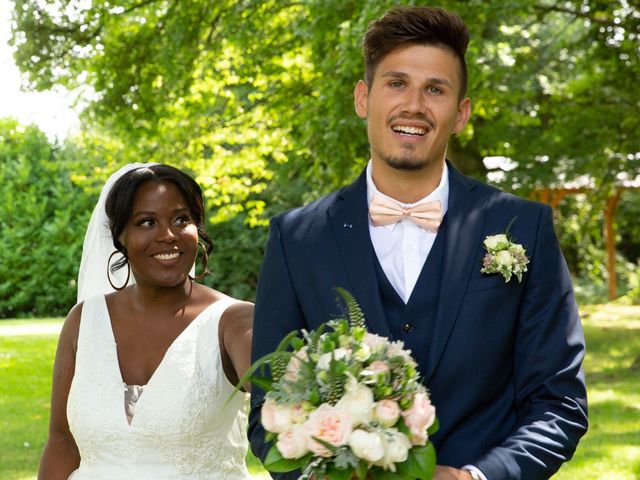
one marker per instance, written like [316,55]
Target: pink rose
[276,418]
[331,424]
[419,417]
[386,412]
[379,367]
[295,364]
[292,443]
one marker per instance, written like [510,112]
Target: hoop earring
[126,282]
[205,257]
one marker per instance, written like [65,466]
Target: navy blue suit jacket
[503,360]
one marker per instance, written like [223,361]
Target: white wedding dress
[184,425]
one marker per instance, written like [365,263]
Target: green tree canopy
[247,89]
[255,96]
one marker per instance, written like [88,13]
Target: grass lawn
[610,450]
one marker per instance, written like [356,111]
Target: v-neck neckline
[118,370]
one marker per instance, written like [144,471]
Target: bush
[42,220]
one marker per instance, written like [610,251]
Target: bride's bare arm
[61,456]
[236,331]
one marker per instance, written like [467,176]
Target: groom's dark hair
[405,26]
[119,203]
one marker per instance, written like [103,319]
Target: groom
[502,360]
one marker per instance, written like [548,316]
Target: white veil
[98,246]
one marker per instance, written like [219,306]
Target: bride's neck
[146,297]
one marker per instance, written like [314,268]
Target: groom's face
[412,106]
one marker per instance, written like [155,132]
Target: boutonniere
[504,257]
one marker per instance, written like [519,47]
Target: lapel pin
[348,225]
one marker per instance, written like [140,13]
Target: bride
[148,359]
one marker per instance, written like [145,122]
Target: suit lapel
[349,219]
[465,220]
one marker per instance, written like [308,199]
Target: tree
[256,95]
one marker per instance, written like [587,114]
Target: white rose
[292,443]
[495,242]
[516,248]
[396,349]
[386,412]
[325,359]
[363,353]
[367,446]
[376,342]
[396,449]
[358,403]
[503,257]
[276,418]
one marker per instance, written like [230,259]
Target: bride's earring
[126,282]
[205,262]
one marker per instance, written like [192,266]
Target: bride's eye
[183,219]
[145,222]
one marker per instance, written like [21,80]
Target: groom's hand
[449,473]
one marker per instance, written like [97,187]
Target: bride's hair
[119,203]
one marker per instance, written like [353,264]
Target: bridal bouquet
[343,403]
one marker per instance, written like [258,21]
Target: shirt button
[408,327]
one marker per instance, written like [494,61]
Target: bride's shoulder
[238,312]
[71,327]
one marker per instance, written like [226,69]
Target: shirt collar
[440,193]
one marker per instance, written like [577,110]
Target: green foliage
[355,315]
[255,98]
[42,219]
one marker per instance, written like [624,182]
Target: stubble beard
[407,162]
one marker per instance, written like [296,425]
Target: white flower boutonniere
[504,257]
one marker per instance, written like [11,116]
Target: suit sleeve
[277,312]
[551,399]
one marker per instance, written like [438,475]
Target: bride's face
[161,237]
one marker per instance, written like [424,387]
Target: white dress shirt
[403,247]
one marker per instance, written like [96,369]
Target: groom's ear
[360,96]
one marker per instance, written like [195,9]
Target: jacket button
[408,327]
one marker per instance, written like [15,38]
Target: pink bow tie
[426,215]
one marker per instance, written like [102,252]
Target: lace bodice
[184,427]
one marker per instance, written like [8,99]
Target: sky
[52,111]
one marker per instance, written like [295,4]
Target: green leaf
[327,445]
[421,463]
[434,428]
[354,312]
[361,470]
[265,383]
[334,473]
[275,462]
[381,474]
